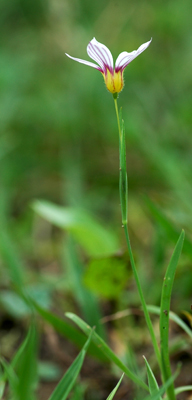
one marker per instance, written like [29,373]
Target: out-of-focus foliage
[59,143]
[107,276]
[58,127]
[58,130]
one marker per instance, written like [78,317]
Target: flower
[113,77]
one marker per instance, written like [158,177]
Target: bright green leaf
[183,389]
[93,237]
[107,276]
[112,394]
[153,385]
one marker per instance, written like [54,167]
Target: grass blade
[22,383]
[65,385]
[11,259]
[166,385]
[93,237]
[2,387]
[174,317]
[164,313]
[10,375]
[183,389]
[112,394]
[168,227]
[68,331]
[86,299]
[99,342]
[27,367]
[14,361]
[153,385]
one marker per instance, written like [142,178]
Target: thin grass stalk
[123,187]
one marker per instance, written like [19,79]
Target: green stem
[146,313]
[117,114]
[124,200]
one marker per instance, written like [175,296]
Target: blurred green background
[59,143]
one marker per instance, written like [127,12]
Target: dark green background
[59,138]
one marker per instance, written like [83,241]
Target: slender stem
[146,313]
[117,114]
[124,200]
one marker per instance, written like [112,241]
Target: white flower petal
[125,58]
[101,54]
[90,64]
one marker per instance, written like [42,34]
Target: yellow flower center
[114,82]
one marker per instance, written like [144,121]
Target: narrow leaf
[183,389]
[106,350]
[20,350]
[2,387]
[112,394]
[86,299]
[11,259]
[68,331]
[163,388]
[164,313]
[168,227]
[10,374]
[174,317]
[153,385]
[9,368]
[27,367]
[65,385]
[93,237]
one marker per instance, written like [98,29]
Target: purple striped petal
[90,64]
[125,58]
[101,54]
